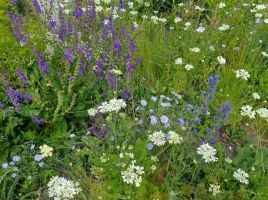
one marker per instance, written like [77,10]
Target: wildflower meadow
[133,99]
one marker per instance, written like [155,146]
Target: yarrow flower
[242,74]
[241,176]
[189,67]
[208,153]
[178,61]
[157,138]
[46,150]
[215,189]
[132,175]
[174,138]
[61,188]
[247,111]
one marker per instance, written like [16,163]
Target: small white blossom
[177,19]
[241,176]
[263,52]
[224,27]
[208,153]
[189,67]
[178,61]
[221,5]
[132,175]
[157,138]
[114,105]
[46,150]
[92,112]
[143,103]
[174,138]
[195,49]
[215,189]
[59,188]
[256,95]
[263,112]
[247,111]
[241,73]
[221,60]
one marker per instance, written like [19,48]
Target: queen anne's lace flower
[208,153]
[247,111]
[174,138]
[241,73]
[241,176]
[215,189]
[114,105]
[158,138]
[59,188]
[132,175]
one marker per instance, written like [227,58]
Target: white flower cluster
[263,112]
[132,175]
[46,150]
[247,111]
[158,138]
[241,176]
[114,105]
[241,73]
[59,188]
[224,27]
[174,138]
[208,153]
[215,189]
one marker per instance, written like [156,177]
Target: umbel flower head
[59,188]
[241,176]
[46,150]
[157,138]
[208,153]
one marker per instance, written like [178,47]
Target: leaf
[60,129]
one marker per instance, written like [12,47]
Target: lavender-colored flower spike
[68,55]
[22,76]
[37,6]
[42,63]
[37,120]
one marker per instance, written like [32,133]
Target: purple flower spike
[37,5]
[68,55]
[21,76]
[37,120]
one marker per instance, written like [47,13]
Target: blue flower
[153,120]
[13,175]
[12,163]
[112,138]
[5,165]
[72,135]
[164,119]
[149,146]
[16,158]
[38,157]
